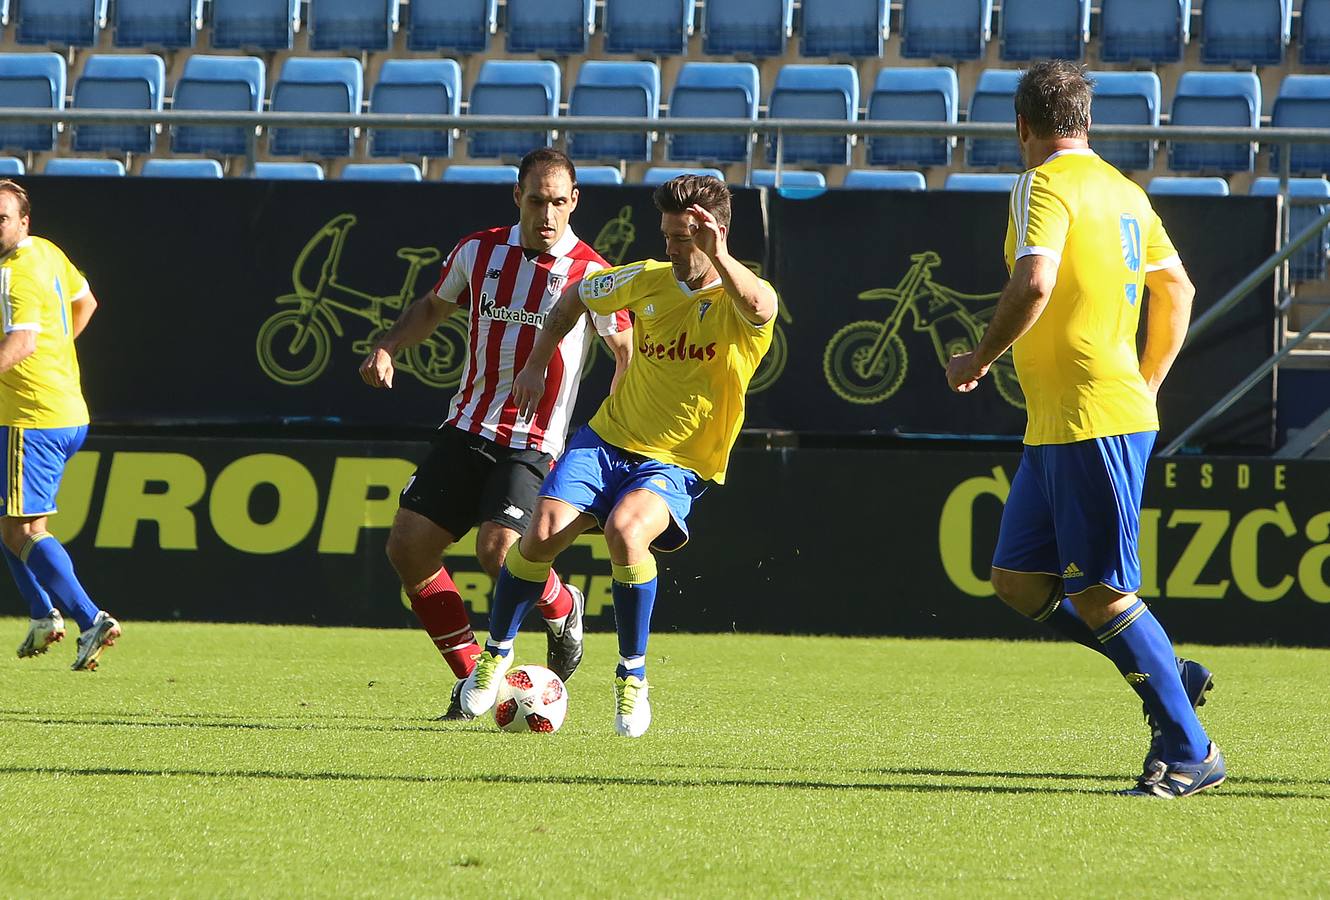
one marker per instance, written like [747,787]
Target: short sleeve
[75,283]
[1038,218]
[453,282]
[612,323]
[611,290]
[21,302]
[1160,252]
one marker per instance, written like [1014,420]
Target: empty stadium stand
[217,83]
[1125,98]
[706,90]
[1215,98]
[514,88]
[918,94]
[878,180]
[33,80]
[946,29]
[612,88]
[415,86]
[119,81]
[316,84]
[660,27]
[181,168]
[843,28]
[1044,29]
[1188,186]
[381,172]
[993,102]
[814,92]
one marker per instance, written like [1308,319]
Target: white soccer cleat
[42,633]
[632,709]
[103,633]
[481,688]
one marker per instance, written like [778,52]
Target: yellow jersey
[681,401]
[37,285]
[1078,364]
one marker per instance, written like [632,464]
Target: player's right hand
[377,369]
[528,388]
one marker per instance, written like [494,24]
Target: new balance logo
[514,513]
[1073,571]
[1136,678]
[493,273]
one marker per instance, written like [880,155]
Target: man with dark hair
[1082,245]
[702,323]
[43,421]
[487,463]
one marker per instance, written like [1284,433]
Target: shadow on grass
[619,781]
[206,720]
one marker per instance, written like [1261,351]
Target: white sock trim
[500,645]
[633,662]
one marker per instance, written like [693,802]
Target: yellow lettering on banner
[1244,476]
[1279,477]
[1183,580]
[1311,568]
[297,503]
[350,508]
[1244,554]
[128,502]
[600,596]
[955,533]
[475,589]
[1170,475]
[1207,475]
[74,498]
[1149,551]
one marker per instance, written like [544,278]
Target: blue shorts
[1074,511]
[35,461]
[592,476]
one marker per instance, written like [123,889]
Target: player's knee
[491,555]
[627,536]
[1006,585]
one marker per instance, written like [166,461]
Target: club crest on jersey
[702,309]
[555,283]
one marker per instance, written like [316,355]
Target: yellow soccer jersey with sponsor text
[1078,364]
[37,285]
[682,399]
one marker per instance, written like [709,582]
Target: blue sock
[39,602]
[634,590]
[1063,618]
[50,564]
[520,584]
[1138,646]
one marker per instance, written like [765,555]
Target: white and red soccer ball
[531,698]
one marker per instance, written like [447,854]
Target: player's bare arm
[1171,293]
[621,345]
[412,327]
[1022,301]
[16,347]
[83,307]
[755,301]
[529,385]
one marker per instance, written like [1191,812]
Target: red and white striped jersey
[507,292]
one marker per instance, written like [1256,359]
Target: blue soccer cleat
[1174,780]
[1197,681]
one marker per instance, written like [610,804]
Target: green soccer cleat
[42,633]
[632,709]
[1173,780]
[481,688]
[103,633]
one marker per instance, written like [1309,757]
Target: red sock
[439,607]
[555,602]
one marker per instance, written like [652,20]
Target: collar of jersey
[26,242]
[562,247]
[1071,151]
[689,292]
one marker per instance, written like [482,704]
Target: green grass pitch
[218,760]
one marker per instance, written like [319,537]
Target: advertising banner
[797,541]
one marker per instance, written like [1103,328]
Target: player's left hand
[964,372]
[707,234]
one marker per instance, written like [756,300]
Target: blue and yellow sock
[39,602]
[520,585]
[634,590]
[1062,618]
[1141,650]
[50,564]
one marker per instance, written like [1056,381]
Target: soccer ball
[531,698]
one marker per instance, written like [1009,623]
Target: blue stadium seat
[119,81]
[181,168]
[157,23]
[1215,98]
[288,171]
[460,174]
[73,165]
[606,88]
[916,94]
[513,88]
[381,172]
[747,27]
[661,27]
[657,175]
[875,180]
[221,83]
[1044,29]
[353,24]
[1185,186]
[1125,98]
[1246,32]
[599,175]
[549,26]
[840,28]
[316,85]
[424,86]
[256,24]
[71,23]
[946,29]
[1309,262]
[790,178]
[1143,30]
[1303,102]
[814,92]
[12,165]
[980,181]
[464,26]
[35,81]
[993,102]
[706,90]
[1314,35]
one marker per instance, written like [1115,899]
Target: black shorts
[467,479]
